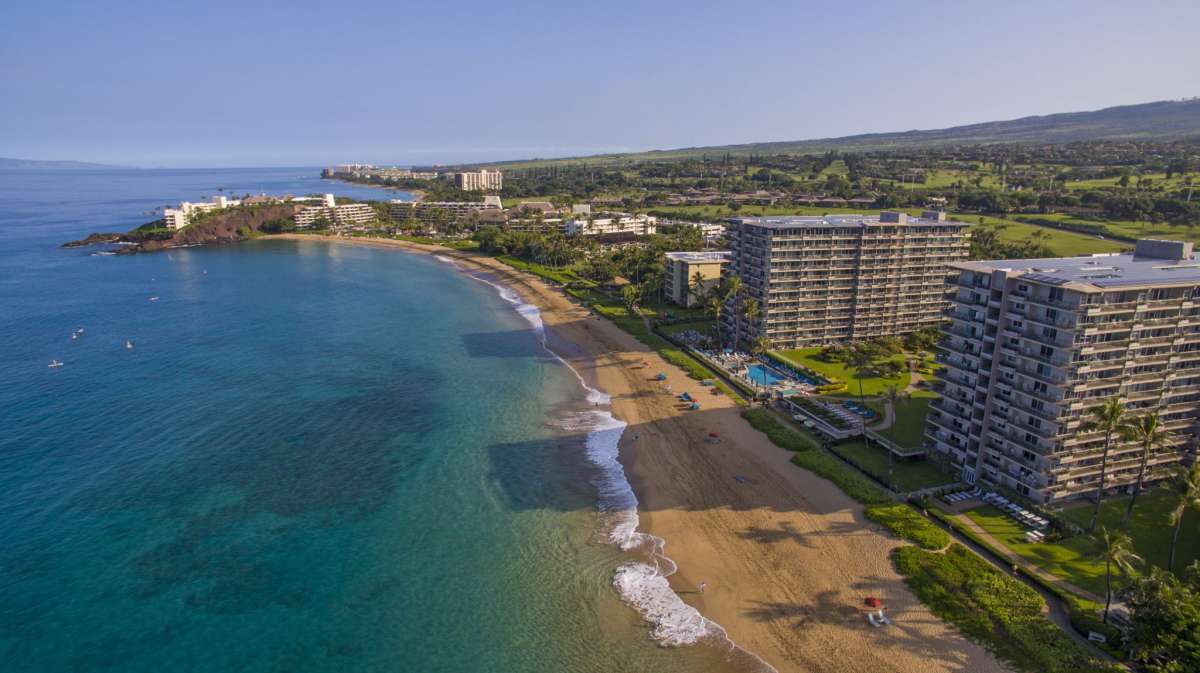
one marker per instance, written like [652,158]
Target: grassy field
[872,386]
[1063,243]
[1071,560]
[909,475]
[910,419]
[1126,228]
[1159,180]
[1150,527]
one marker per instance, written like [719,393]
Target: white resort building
[1032,345]
[178,218]
[612,223]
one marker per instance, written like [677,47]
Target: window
[1051,314]
[1056,294]
[1047,352]
[1050,333]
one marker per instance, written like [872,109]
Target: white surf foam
[642,585]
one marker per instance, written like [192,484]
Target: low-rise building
[612,223]
[344,215]
[429,212]
[178,218]
[681,270]
[1033,345]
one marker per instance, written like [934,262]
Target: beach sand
[787,558]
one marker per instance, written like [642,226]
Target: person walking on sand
[703,586]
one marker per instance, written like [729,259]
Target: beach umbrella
[713,435]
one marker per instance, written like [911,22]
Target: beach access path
[787,558]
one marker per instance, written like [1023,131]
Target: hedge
[993,609]
[907,523]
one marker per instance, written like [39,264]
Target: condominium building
[345,215]
[681,269]
[612,223]
[836,278]
[427,212]
[1032,345]
[178,218]
[475,181]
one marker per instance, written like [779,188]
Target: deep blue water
[314,457]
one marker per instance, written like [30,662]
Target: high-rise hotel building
[1032,345]
[837,278]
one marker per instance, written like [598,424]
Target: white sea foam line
[641,585]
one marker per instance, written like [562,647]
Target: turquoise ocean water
[314,458]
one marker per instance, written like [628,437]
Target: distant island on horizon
[12,164]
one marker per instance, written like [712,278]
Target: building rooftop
[1152,263]
[696,257]
[846,220]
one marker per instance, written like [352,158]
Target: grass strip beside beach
[906,522]
[993,609]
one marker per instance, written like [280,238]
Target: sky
[300,83]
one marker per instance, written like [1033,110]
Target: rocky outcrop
[235,224]
[95,239]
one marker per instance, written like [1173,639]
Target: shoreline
[417,194]
[788,559]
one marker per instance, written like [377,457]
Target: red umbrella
[713,434]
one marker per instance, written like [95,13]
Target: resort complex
[612,223]
[178,218]
[1034,344]
[828,279]
[684,268]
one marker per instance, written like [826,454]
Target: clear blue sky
[306,83]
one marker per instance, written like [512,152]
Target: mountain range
[1162,120]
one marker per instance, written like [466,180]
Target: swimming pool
[763,375]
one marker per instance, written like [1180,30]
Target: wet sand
[787,558]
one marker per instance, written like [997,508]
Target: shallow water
[314,457]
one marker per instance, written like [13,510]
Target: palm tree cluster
[1148,433]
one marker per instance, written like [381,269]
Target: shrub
[905,522]
[994,609]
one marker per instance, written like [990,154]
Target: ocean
[300,456]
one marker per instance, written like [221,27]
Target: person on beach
[703,586]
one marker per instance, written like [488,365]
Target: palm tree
[698,285]
[733,292]
[1117,550]
[1186,489]
[1148,431]
[1108,418]
[894,394]
[860,362]
[714,306]
[750,311]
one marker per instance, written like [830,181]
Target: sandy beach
[786,557]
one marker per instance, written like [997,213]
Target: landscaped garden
[1075,560]
[873,386]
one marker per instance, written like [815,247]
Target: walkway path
[1029,567]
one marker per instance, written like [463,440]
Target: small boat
[154,297]
[54,364]
[128,344]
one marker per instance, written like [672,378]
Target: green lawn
[910,419]
[1127,228]
[1071,560]
[910,475]
[872,386]
[1063,243]
[1150,526]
